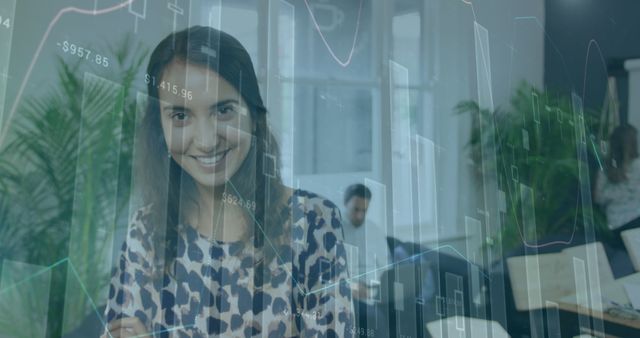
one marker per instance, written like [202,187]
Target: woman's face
[209,132]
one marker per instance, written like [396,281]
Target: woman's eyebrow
[174,107]
[224,103]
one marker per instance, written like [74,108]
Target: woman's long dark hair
[623,148]
[169,189]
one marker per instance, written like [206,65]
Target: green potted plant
[47,181]
[535,145]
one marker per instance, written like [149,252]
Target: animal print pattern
[212,291]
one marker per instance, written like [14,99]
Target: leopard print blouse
[211,292]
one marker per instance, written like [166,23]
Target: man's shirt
[367,248]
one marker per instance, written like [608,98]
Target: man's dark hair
[359,190]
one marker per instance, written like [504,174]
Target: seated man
[368,243]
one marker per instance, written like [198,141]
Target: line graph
[346,62]
[592,43]
[4,130]
[413,257]
[332,285]
[537,21]
[408,259]
[94,307]
[74,272]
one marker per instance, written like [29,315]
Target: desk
[615,322]
[466,327]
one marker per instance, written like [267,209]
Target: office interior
[482,130]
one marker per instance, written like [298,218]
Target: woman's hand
[359,290]
[126,328]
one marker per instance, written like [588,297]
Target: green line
[93,304]
[77,276]
[16,284]
[595,150]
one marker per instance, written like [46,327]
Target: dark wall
[570,26]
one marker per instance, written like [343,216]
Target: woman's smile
[214,162]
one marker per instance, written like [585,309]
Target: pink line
[593,42]
[536,245]
[326,43]
[39,50]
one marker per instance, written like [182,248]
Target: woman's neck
[215,219]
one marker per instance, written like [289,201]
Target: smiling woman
[210,134]
[222,246]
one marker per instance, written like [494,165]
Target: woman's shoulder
[314,212]
[311,201]
[635,166]
[139,230]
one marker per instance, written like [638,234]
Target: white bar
[94,204]
[7,12]
[402,187]
[426,184]
[483,67]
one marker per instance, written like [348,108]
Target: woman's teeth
[211,160]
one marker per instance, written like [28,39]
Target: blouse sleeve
[128,291]
[602,194]
[326,303]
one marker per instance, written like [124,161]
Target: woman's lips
[213,163]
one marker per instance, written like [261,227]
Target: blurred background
[481,129]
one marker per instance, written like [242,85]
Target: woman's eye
[179,116]
[226,111]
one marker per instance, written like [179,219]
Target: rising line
[447,246]
[84,289]
[14,107]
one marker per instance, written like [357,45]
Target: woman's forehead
[204,83]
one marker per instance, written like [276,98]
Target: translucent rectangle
[140,9]
[483,67]
[398,292]
[553,319]
[534,288]
[559,115]
[95,196]
[453,290]
[535,107]
[402,187]
[214,17]
[426,184]
[502,201]
[353,258]
[579,117]
[440,306]
[24,299]
[7,11]
[493,226]
[473,240]
[286,67]
[458,299]
[376,217]
[174,7]
[527,199]
[475,256]
[582,295]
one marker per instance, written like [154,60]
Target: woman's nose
[206,139]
